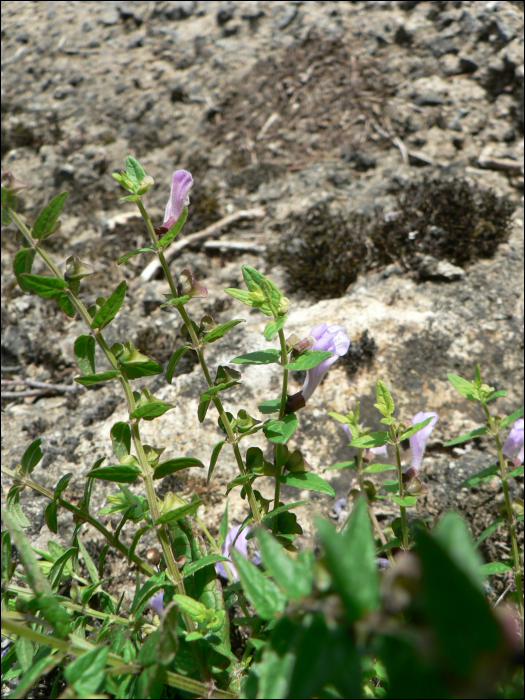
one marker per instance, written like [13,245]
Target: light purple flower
[332,338]
[367,454]
[179,197]
[241,545]
[339,505]
[157,602]
[514,443]
[11,184]
[419,440]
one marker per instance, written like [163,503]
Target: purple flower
[339,505]
[514,443]
[419,440]
[157,602]
[241,545]
[11,184]
[179,197]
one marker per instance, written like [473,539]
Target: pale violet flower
[179,198]
[419,440]
[241,545]
[514,443]
[157,602]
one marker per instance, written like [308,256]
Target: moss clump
[451,220]
[321,252]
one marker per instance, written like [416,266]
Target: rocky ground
[383,142]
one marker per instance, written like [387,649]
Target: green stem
[403,510]
[198,349]
[510,514]
[282,410]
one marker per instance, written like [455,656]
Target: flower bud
[283,306]
[11,184]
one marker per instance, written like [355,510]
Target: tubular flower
[179,197]
[157,602]
[419,440]
[514,443]
[241,545]
[188,285]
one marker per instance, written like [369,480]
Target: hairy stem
[282,410]
[404,524]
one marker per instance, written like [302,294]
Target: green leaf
[414,429]
[196,610]
[466,436]
[151,410]
[273,327]
[375,468]
[309,359]
[351,562]
[51,516]
[259,357]
[463,645]
[120,473]
[22,264]
[338,417]
[452,533]
[223,527]
[134,171]
[481,477]
[177,513]
[239,481]
[35,577]
[280,430]
[219,331]
[340,465]
[214,458]
[66,304]
[85,353]
[282,509]
[150,587]
[307,480]
[45,287]
[377,439]
[25,652]
[174,361]
[31,457]
[270,406]
[489,530]
[57,569]
[13,505]
[110,308]
[513,416]
[241,295]
[86,672]
[135,370]
[132,254]
[174,301]
[262,593]
[294,577]
[88,561]
[40,668]
[385,403]
[202,410]
[194,566]
[174,230]
[518,471]
[463,387]
[89,379]
[134,542]
[46,220]
[7,549]
[406,502]
[494,567]
[495,395]
[170,466]
[121,439]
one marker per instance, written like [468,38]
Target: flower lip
[514,442]
[182,183]
[331,338]
[419,440]
[241,545]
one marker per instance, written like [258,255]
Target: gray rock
[286,17]
[176,11]
[109,16]
[225,13]
[439,270]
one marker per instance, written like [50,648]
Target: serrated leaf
[377,439]
[132,253]
[45,287]
[31,457]
[89,379]
[22,264]
[151,410]
[219,331]
[214,458]
[174,230]
[171,466]
[406,502]
[341,465]
[259,357]
[273,327]
[385,404]
[270,406]
[174,361]
[513,416]
[307,480]
[280,430]
[495,567]
[120,473]
[266,598]
[110,308]
[46,220]
[177,513]
[121,439]
[463,387]
[466,436]
[134,170]
[84,350]
[309,359]
[481,477]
